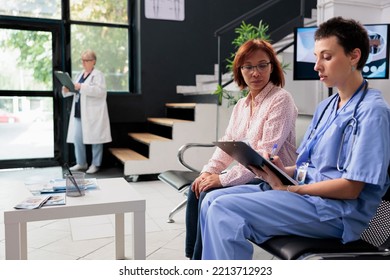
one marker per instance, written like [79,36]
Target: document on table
[55,199]
[32,202]
[59,186]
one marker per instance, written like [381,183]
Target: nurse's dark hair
[247,49]
[350,35]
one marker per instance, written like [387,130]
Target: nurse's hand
[268,176]
[276,160]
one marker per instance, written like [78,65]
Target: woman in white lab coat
[89,122]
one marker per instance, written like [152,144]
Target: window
[111,47]
[102,26]
[33,8]
[103,11]
[26,127]
[36,37]
[26,120]
[28,56]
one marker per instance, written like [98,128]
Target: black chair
[181,179]
[373,244]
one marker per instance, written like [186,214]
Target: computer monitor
[377,66]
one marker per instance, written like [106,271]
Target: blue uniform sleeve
[370,154]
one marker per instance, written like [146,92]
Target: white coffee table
[114,196]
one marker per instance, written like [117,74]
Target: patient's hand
[205,182]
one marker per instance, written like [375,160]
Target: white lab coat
[94,113]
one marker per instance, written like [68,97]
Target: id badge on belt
[301,173]
[77,97]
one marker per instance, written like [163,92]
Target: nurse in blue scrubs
[342,162]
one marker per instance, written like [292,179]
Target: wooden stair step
[166,121]
[181,105]
[125,154]
[147,138]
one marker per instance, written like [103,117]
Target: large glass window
[31,8]
[111,47]
[26,122]
[28,56]
[37,37]
[99,11]
[26,127]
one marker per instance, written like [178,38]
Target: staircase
[206,84]
[156,150]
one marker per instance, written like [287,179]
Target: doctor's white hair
[90,54]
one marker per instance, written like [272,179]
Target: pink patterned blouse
[272,121]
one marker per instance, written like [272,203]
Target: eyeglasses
[260,67]
[86,60]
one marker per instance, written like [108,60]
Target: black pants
[193,247]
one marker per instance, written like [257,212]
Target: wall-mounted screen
[377,66]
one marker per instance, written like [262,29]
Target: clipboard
[245,155]
[65,80]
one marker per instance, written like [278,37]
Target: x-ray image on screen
[377,66]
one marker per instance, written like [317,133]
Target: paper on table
[59,185]
[56,199]
[32,202]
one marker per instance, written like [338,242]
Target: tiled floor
[86,238]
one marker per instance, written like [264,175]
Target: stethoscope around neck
[352,123]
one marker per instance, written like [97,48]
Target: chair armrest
[182,149]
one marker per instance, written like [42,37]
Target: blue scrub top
[368,162]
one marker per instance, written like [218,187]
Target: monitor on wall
[377,66]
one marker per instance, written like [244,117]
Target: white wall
[358,9]
[306,93]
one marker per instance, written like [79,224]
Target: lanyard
[82,79]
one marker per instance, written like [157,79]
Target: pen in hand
[273,152]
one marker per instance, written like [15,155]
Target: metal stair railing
[280,32]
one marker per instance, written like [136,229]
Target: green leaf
[219,92]
[244,33]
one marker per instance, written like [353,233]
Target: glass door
[27,99]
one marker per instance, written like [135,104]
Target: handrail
[245,16]
[185,147]
[281,31]
[284,47]
[277,52]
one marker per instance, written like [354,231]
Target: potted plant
[244,33]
